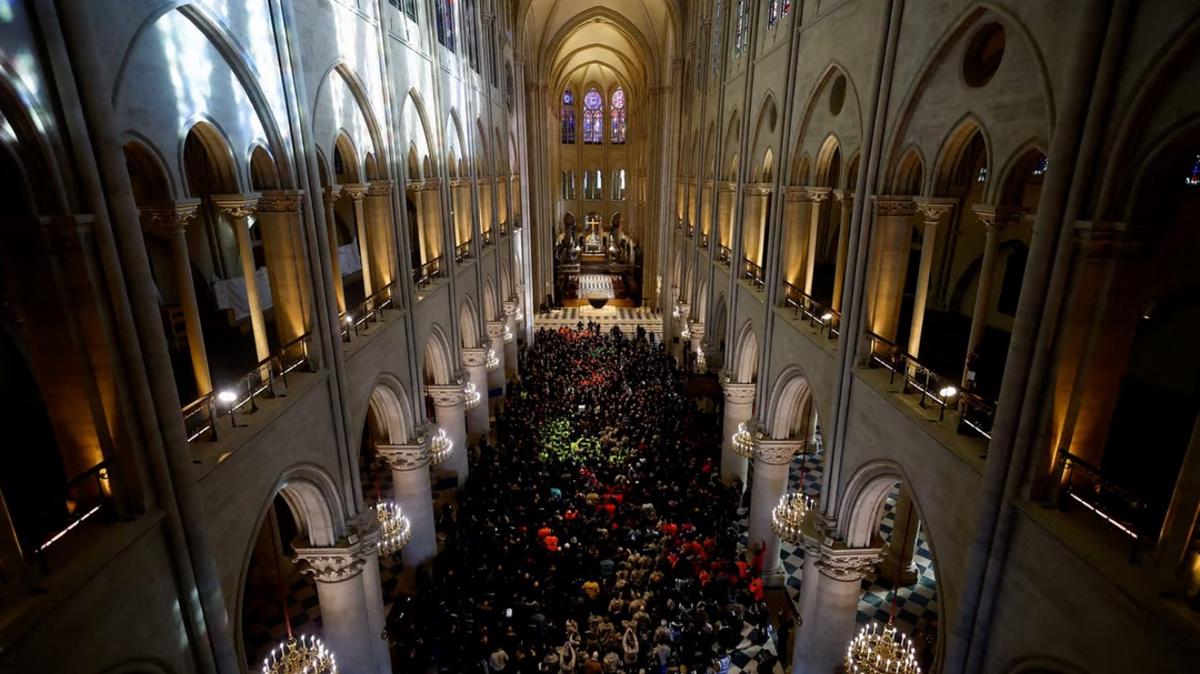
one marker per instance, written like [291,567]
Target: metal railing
[817,314]
[503,229]
[368,311]
[486,238]
[723,254]
[975,413]
[689,231]
[1081,482]
[703,241]
[89,495]
[462,251]
[268,378]
[424,275]
[754,273]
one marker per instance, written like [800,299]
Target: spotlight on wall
[947,392]
[827,316]
[228,398]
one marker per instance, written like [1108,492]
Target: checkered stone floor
[755,654]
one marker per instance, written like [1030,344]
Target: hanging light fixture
[743,441]
[787,518]
[471,396]
[701,362]
[508,335]
[395,529]
[492,361]
[881,650]
[440,448]
[306,655]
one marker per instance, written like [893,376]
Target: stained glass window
[593,117]
[773,13]
[1193,177]
[472,39]
[445,23]
[716,37]
[740,38]
[568,184]
[567,117]
[1043,163]
[618,188]
[618,117]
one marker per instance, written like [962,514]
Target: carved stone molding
[685,310]
[995,218]
[405,457]
[844,196]
[758,189]
[281,201]
[727,186]
[331,194]
[697,330]
[933,209]
[510,307]
[236,206]
[170,217]
[445,395]
[848,564]
[476,357]
[777,452]
[738,392]
[893,205]
[355,191]
[379,188]
[495,329]
[331,565]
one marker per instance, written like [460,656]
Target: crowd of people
[594,535]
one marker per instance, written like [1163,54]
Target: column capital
[510,307]
[738,392]
[495,329]
[935,208]
[237,205]
[697,330]
[333,564]
[281,201]
[355,191]
[331,194]
[474,356]
[379,188]
[405,457]
[995,218]
[847,564]
[167,218]
[777,452]
[893,205]
[446,395]
[758,189]
[844,196]
[727,186]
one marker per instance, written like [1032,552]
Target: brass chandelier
[743,441]
[440,448]
[787,518]
[395,529]
[471,396]
[881,650]
[306,655]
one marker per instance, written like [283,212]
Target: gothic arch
[819,123]
[952,149]
[490,305]
[438,365]
[418,131]
[388,403]
[222,165]
[790,399]
[746,354]
[468,323]
[148,174]
[910,173]
[357,89]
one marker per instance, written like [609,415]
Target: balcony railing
[462,251]
[817,314]
[486,238]
[689,231]
[678,223]
[368,311]
[754,273]
[703,241]
[423,276]
[267,379]
[1083,483]
[975,413]
[723,254]
[503,229]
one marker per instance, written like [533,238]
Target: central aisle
[596,529]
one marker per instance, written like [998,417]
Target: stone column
[725,194]
[413,492]
[475,364]
[811,544]
[330,196]
[496,380]
[897,565]
[345,606]
[368,527]
[754,217]
[795,236]
[238,208]
[283,248]
[381,233]
[932,212]
[771,461]
[830,624]
[451,417]
[685,310]
[891,241]
[510,344]
[357,192]
[739,408]
[706,197]
[846,201]
[169,222]
[460,190]
[813,196]
[994,221]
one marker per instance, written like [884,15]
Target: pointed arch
[438,365]
[954,148]
[203,135]
[791,399]
[148,175]
[746,352]
[910,173]
[389,404]
[468,323]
